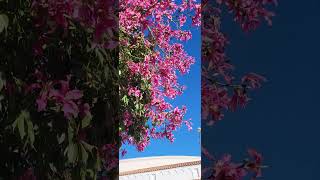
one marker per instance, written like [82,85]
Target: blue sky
[187,142]
[282,121]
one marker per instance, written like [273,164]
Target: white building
[161,168]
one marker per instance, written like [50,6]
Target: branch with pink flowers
[221,90]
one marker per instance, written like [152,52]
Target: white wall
[182,173]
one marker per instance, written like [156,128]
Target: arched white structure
[161,168]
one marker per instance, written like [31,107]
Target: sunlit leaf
[73,152]
[86,121]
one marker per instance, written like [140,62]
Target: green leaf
[73,152]
[30,132]
[52,167]
[87,146]
[1,98]
[20,121]
[86,121]
[84,154]
[125,100]
[90,172]
[83,174]
[70,134]
[61,138]
[21,128]
[100,56]
[4,22]
[14,124]
[2,82]
[106,72]
[98,163]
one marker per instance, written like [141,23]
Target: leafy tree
[59,89]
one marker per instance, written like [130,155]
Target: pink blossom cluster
[60,94]
[161,23]
[225,169]
[141,144]
[98,16]
[249,12]
[220,88]
[109,152]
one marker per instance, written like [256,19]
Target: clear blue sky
[187,142]
[282,121]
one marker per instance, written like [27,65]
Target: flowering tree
[151,56]
[221,91]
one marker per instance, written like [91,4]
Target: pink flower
[64,97]
[238,98]
[226,170]
[257,164]
[207,154]
[253,80]
[123,153]
[38,46]
[109,153]
[127,119]
[182,20]
[42,102]
[73,95]
[134,91]
[70,109]
[84,109]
